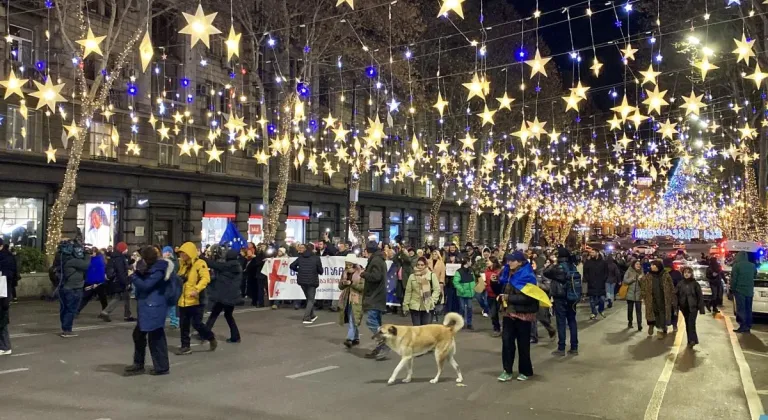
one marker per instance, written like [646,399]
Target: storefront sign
[139,231]
[678,233]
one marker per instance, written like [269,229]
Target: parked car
[760,301]
[700,274]
[644,249]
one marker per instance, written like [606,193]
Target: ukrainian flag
[524,280]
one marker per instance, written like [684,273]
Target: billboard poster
[99,226]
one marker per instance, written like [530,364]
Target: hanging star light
[637,118]
[615,123]
[50,154]
[214,154]
[655,100]
[184,148]
[475,88]
[196,147]
[72,130]
[91,44]
[705,66]
[163,131]
[13,85]
[330,121]
[596,66]
[393,105]
[757,76]
[505,102]
[146,52]
[468,142]
[440,104]
[48,94]
[667,130]
[152,120]
[554,135]
[650,75]
[580,91]
[200,26]
[629,52]
[487,116]
[693,103]
[454,5]
[233,43]
[624,109]
[341,133]
[523,134]
[744,49]
[351,3]
[536,128]
[538,63]
[571,102]
[747,132]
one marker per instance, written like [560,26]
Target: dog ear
[392,330]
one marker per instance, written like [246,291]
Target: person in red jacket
[493,268]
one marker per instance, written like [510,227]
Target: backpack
[110,270]
[173,290]
[572,285]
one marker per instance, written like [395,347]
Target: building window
[429,187]
[100,136]
[165,154]
[21,221]
[20,131]
[376,181]
[20,43]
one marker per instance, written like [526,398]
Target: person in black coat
[308,268]
[595,275]
[118,286]
[613,276]
[8,270]
[691,302]
[375,294]
[256,257]
[224,292]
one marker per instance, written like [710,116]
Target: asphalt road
[284,370]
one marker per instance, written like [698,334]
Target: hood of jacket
[307,253]
[169,269]
[231,255]
[191,250]
[162,266]
[741,257]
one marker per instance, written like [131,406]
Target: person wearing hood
[519,313]
[350,302]
[464,283]
[308,268]
[691,301]
[169,256]
[71,288]
[565,288]
[613,275]
[634,297]
[422,291]
[195,278]
[224,292]
[743,285]
[375,295]
[596,277]
[150,282]
[119,283]
[715,279]
[658,293]
[94,281]
[8,269]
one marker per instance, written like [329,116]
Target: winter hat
[516,256]
[667,262]
[167,249]
[372,247]
[563,253]
[121,247]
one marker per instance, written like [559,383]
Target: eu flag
[232,238]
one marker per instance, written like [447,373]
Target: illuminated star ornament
[655,100]
[48,94]
[475,88]
[650,75]
[440,104]
[91,44]
[12,85]
[596,66]
[705,66]
[451,5]
[505,102]
[146,51]
[487,116]
[200,26]
[667,130]
[233,43]
[538,63]
[50,154]
[351,3]
[163,131]
[693,103]
[214,154]
[757,76]
[629,52]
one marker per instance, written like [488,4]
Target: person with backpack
[565,287]
[422,290]
[118,286]
[150,281]
[195,277]
[71,287]
[225,292]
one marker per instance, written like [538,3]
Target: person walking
[464,283]
[150,281]
[375,296]
[715,279]
[613,276]
[308,268]
[565,288]
[119,283]
[422,290]
[195,277]
[8,269]
[634,296]
[224,292]
[596,276]
[492,271]
[519,312]
[658,294]
[350,303]
[543,316]
[71,288]
[170,258]
[677,277]
[743,275]
[690,300]
[94,281]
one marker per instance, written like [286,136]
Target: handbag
[622,294]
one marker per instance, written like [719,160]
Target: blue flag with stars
[232,238]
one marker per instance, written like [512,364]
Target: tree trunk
[473,213]
[507,232]
[434,212]
[353,217]
[528,233]
[276,207]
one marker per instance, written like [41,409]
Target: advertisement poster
[99,229]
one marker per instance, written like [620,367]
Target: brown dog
[410,342]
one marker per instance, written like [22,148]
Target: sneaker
[355,342]
[67,334]
[130,319]
[522,377]
[348,343]
[184,350]
[174,326]
[5,352]
[381,356]
[274,307]
[602,314]
[552,334]
[504,377]
[573,352]
[133,369]
[231,341]
[630,325]
[154,372]
[213,344]
[485,314]
[373,354]
[307,321]
[558,353]
[639,327]
[593,317]
[610,304]
[496,334]
[650,330]
[105,318]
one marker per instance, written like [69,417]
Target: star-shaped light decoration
[196,147]
[554,135]
[537,64]
[107,113]
[628,52]
[580,90]
[200,26]
[184,148]
[596,66]
[705,66]
[667,130]
[393,104]
[72,130]
[757,76]
[13,85]
[163,131]
[571,102]
[615,123]
[523,134]
[91,44]
[146,52]
[505,102]
[693,103]
[655,99]
[440,104]
[536,127]
[650,75]
[50,154]
[152,120]
[341,133]
[624,109]
[468,142]
[351,3]
[233,43]
[133,147]
[214,154]
[637,118]
[330,121]
[744,49]
[451,5]
[747,132]
[475,88]
[487,116]
[48,94]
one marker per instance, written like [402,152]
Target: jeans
[69,301]
[465,309]
[637,305]
[100,291]
[565,313]
[482,299]
[516,338]
[193,315]
[309,292]
[158,348]
[610,289]
[493,308]
[597,304]
[690,325]
[5,338]
[174,316]
[420,318]
[234,333]
[451,300]
[353,333]
[373,322]
[261,290]
[125,297]
[744,311]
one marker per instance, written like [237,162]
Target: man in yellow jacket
[195,277]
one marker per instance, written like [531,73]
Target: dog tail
[454,321]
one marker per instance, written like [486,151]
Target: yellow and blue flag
[524,280]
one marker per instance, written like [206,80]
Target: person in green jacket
[464,282]
[422,292]
[743,275]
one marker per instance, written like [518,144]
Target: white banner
[451,269]
[282,280]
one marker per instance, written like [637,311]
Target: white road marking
[753,399]
[319,325]
[23,325]
[754,353]
[762,392]
[311,372]
[654,405]
[25,354]
[3,372]
[22,335]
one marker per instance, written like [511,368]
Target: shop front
[216,217]
[296,224]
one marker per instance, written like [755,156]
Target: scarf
[424,277]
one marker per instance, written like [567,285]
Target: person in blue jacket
[94,280]
[150,280]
